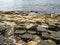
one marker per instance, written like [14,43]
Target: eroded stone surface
[22,28]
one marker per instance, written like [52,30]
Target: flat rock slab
[42,42]
[31,32]
[56,35]
[45,35]
[20,31]
[28,36]
[41,29]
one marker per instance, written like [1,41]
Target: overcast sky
[8,4]
[30,1]
[42,1]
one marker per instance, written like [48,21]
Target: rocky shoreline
[29,28]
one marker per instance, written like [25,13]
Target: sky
[8,4]
[42,1]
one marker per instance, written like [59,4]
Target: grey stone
[45,35]
[9,42]
[31,32]
[27,36]
[4,27]
[56,35]
[1,39]
[42,42]
[41,29]
[20,31]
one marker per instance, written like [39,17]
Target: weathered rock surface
[24,28]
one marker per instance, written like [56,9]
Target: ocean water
[29,6]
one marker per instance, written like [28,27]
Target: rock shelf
[27,28]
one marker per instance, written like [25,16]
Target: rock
[2,39]
[42,42]
[45,35]
[13,38]
[31,43]
[39,22]
[46,42]
[58,23]
[21,42]
[4,27]
[52,27]
[9,32]
[51,42]
[20,32]
[19,27]
[41,29]
[31,32]
[27,36]
[55,35]
[9,42]
[57,28]
[31,26]
[10,23]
